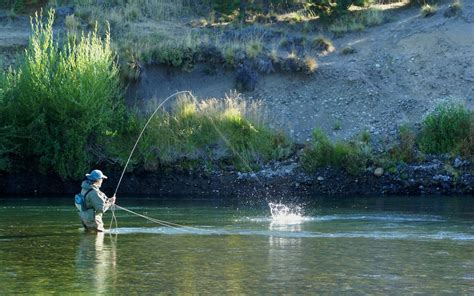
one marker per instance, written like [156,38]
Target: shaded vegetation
[448,129]
[352,156]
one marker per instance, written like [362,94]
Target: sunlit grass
[220,131]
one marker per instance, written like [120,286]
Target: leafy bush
[351,156]
[62,100]
[447,129]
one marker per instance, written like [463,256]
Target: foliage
[447,130]
[61,100]
[351,156]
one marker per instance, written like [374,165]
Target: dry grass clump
[428,10]
[323,43]
[348,50]
[357,21]
[254,47]
[310,65]
[456,5]
[453,9]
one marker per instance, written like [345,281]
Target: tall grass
[226,131]
[61,100]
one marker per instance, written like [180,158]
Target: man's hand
[112,199]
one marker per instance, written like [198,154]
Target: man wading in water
[96,202]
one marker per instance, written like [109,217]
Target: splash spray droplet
[282,214]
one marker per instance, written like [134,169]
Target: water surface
[384,245]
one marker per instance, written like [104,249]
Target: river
[375,245]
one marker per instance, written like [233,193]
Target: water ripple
[441,235]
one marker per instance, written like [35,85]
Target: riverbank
[277,181]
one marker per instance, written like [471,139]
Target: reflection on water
[97,259]
[281,241]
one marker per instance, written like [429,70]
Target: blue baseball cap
[96,175]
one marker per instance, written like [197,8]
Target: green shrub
[62,100]
[351,156]
[446,129]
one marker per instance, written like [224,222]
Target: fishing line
[227,142]
[162,222]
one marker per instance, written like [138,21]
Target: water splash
[282,214]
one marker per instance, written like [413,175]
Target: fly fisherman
[96,202]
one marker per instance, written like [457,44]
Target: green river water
[336,246]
